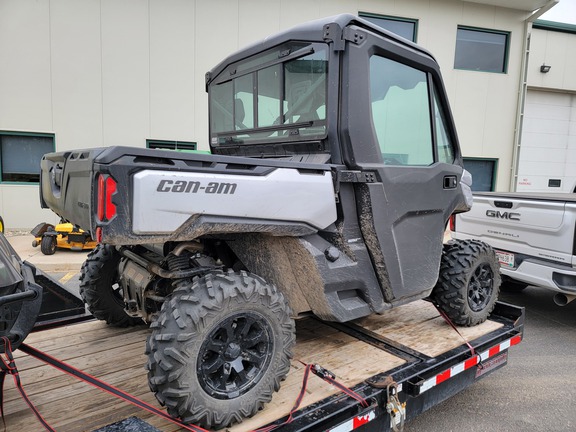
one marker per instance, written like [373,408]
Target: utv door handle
[450,182]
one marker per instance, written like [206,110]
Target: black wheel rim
[480,287]
[235,355]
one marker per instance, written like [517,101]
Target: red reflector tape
[354,422]
[467,364]
[493,351]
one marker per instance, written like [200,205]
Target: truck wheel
[469,281]
[48,245]
[219,348]
[100,289]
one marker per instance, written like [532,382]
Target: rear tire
[219,348]
[48,245]
[100,289]
[469,281]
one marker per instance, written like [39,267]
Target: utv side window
[445,149]
[401,112]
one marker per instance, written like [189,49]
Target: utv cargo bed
[426,358]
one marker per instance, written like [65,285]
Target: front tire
[219,348]
[469,281]
[100,289]
[48,245]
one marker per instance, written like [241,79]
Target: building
[547,149]
[87,73]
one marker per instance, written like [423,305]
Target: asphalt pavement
[536,391]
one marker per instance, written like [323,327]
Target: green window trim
[171,145]
[4,159]
[494,175]
[505,54]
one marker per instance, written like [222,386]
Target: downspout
[522,90]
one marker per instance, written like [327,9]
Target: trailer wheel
[48,245]
[469,281]
[100,289]
[219,348]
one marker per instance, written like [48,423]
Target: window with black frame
[279,95]
[401,112]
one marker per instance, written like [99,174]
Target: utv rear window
[279,95]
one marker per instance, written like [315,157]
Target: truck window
[279,95]
[400,112]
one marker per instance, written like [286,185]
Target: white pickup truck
[533,235]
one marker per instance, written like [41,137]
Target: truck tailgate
[534,224]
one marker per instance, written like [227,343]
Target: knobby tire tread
[97,275]
[185,320]
[459,260]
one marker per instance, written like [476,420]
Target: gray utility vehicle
[335,169]
[534,237]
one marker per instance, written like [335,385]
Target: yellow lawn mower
[63,235]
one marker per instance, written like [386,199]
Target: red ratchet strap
[449,321]
[64,367]
[327,376]
[8,366]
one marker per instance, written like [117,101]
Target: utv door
[398,126]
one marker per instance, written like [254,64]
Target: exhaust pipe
[563,299]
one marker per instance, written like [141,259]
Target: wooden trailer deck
[117,357]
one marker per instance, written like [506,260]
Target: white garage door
[547,160]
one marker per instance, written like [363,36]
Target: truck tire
[100,290]
[48,245]
[219,348]
[469,281]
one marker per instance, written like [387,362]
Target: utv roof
[329,29]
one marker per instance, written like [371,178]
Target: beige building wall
[108,72]
[557,50]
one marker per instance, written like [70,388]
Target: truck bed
[117,357]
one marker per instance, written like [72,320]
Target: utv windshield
[278,95]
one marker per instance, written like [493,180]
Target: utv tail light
[453,222]
[106,210]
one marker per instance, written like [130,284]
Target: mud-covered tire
[48,245]
[469,281]
[100,290]
[219,348]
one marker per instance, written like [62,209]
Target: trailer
[401,364]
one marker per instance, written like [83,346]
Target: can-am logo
[503,215]
[183,186]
